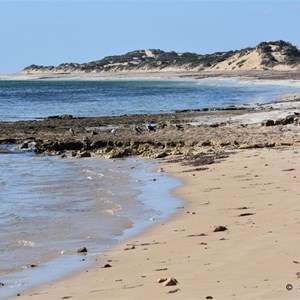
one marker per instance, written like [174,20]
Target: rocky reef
[155,136]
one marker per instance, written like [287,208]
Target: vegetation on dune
[156,59]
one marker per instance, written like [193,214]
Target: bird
[71,131]
[150,128]
[86,140]
[137,129]
[113,131]
[178,127]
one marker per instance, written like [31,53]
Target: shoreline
[260,75]
[234,264]
[134,276]
[143,183]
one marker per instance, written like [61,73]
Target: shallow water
[50,207]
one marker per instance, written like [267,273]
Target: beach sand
[253,193]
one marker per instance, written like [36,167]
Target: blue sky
[50,32]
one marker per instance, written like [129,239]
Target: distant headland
[273,56]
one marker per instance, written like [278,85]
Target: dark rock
[98,144]
[83,154]
[209,297]
[161,280]
[290,119]
[107,266]
[267,123]
[1,284]
[170,282]
[220,228]
[82,250]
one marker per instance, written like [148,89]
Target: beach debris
[220,228]
[82,250]
[288,170]
[161,280]
[173,291]
[170,281]
[130,248]
[195,170]
[161,269]
[107,266]
[295,262]
[245,214]
[33,266]
[243,207]
[209,297]
[197,234]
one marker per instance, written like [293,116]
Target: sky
[50,32]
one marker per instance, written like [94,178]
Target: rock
[82,250]
[1,284]
[267,123]
[161,154]
[83,154]
[220,228]
[297,121]
[107,266]
[161,170]
[171,281]
[290,119]
[118,153]
[98,144]
[206,144]
[281,121]
[209,297]
[161,280]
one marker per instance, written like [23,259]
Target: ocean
[50,207]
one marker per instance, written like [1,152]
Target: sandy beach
[253,193]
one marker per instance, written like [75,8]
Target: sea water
[27,99]
[50,207]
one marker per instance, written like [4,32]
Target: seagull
[86,140]
[178,127]
[138,129]
[150,128]
[71,131]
